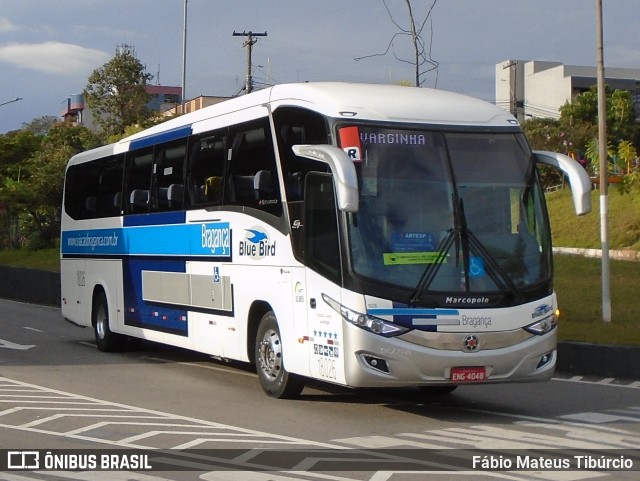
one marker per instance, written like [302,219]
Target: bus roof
[393,103]
[353,101]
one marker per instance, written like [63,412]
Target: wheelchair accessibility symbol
[476,267]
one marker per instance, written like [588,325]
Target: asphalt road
[209,420]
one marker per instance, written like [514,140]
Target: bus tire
[274,378]
[106,340]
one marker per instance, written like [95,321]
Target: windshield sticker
[413,242]
[476,267]
[350,142]
[407,258]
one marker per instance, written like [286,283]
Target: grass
[577,279]
[569,230]
[579,288]
[44,259]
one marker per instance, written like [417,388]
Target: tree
[37,192]
[580,117]
[116,92]
[15,150]
[546,134]
[627,153]
[592,152]
[40,125]
[421,49]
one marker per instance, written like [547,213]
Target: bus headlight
[544,325]
[368,323]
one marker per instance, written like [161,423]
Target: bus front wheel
[274,378]
[106,340]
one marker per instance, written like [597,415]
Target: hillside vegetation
[569,230]
[578,280]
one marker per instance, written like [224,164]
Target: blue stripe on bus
[211,239]
[423,319]
[173,134]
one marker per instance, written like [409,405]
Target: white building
[532,88]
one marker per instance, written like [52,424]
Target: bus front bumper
[396,362]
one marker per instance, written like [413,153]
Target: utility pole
[249,43]
[604,180]
[513,92]
[184,60]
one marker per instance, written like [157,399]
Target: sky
[48,48]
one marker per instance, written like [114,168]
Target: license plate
[468,374]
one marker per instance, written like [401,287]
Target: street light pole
[604,181]
[184,58]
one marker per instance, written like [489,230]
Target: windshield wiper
[430,272]
[467,243]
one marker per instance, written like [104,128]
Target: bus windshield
[453,213]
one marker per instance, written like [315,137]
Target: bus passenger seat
[117,200]
[139,199]
[91,203]
[163,197]
[263,184]
[296,186]
[242,188]
[174,196]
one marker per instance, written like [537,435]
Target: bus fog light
[544,360]
[375,362]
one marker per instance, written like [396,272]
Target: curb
[30,285]
[576,358]
[622,255]
[586,359]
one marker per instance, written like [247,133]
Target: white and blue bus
[363,235]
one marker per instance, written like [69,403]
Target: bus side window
[295,125]
[252,177]
[205,169]
[110,187]
[168,185]
[93,189]
[321,237]
[138,181]
[80,192]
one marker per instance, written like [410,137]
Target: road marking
[609,382]
[12,345]
[105,422]
[69,405]
[32,329]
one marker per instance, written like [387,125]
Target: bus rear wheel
[274,378]
[106,340]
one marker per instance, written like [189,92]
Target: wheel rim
[101,323]
[271,354]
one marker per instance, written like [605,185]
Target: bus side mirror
[578,178]
[342,168]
